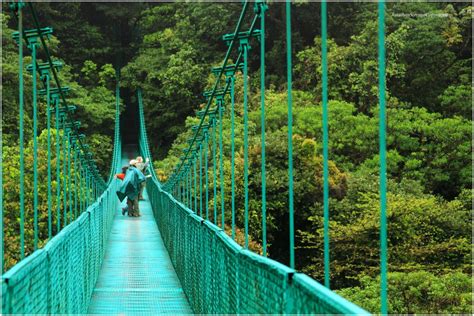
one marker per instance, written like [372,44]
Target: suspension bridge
[176,258]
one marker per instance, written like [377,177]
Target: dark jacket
[131,184]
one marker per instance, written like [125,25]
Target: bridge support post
[220,106]
[244,48]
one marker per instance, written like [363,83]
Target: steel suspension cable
[290,135]
[48,126]
[188,181]
[58,167]
[195,184]
[51,65]
[75,179]
[232,137]
[262,8]
[32,46]
[325,141]
[206,159]
[69,179]
[244,46]
[22,145]
[214,168]
[383,159]
[200,180]
[64,196]
[214,89]
[221,160]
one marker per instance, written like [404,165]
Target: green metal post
[186,188]
[290,135]
[48,123]
[325,142]
[58,166]
[195,185]
[383,161]
[75,180]
[65,158]
[69,176]
[214,168]
[221,161]
[232,131]
[183,190]
[21,110]
[81,188]
[181,183]
[200,180]
[87,189]
[262,123]
[84,187]
[244,46]
[188,181]
[178,184]
[206,146]
[32,46]
[94,188]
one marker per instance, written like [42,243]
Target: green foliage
[424,231]
[11,195]
[413,292]
[176,53]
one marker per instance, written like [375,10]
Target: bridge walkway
[137,276]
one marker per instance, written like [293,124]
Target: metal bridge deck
[137,276]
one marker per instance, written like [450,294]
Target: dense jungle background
[168,49]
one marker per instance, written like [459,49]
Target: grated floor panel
[137,277]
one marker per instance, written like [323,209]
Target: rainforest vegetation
[168,49]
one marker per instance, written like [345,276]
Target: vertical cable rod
[232,136]
[221,161]
[244,47]
[22,145]
[383,159]
[324,64]
[290,134]
[262,123]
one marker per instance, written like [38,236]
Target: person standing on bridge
[142,167]
[130,188]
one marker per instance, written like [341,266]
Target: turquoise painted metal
[290,135]
[324,64]
[46,79]
[21,141]
[32,47]
[383,160]
[220,107]
[244,47]
[260,8]
[214,166]
[232,159]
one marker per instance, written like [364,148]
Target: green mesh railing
[60,277]
[218,275]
